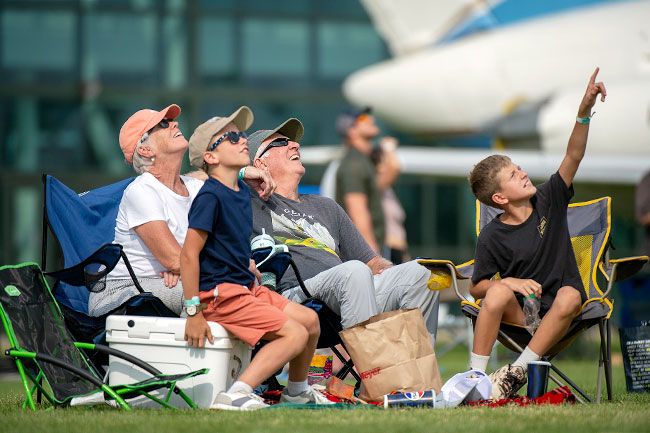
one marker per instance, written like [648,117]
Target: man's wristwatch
[193,310]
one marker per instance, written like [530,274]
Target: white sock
[295,388]
[240,386]
[526,356]
[478,362]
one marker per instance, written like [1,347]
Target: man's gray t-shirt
[318,232]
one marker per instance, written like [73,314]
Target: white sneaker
[311,396]
[238,401]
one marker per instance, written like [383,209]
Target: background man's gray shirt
[318,232]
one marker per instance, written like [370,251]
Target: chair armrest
[449,268]
[626,267]
[442,265]
[621,269]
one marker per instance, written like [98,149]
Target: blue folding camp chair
[84,226]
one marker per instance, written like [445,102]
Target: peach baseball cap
[139,123]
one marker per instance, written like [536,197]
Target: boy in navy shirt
[529,246]
[218,279]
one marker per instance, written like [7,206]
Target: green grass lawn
[627,413]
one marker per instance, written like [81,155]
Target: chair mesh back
[38,327]
[589,228]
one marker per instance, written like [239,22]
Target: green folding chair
[589,227]
[50,361]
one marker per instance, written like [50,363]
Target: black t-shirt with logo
[538,249]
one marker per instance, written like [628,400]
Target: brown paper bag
[392,352]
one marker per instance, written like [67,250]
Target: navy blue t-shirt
[226,216]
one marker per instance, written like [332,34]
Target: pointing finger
[593,76]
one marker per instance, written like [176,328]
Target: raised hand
[593,89]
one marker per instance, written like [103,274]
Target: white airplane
[515,69]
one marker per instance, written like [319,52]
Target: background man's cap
[291,128]
[346,119]
[204,134]
[139,123]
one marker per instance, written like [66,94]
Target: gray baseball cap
[291,128]
[205,132]
[346,119]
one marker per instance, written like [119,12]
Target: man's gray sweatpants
[352,292]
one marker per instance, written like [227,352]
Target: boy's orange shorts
[247,313]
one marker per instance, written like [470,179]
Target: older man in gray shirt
[337,264]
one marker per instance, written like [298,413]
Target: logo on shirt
[541,228]
[303,231]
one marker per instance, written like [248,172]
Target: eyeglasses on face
[164,124]
[232,136]
[278,142]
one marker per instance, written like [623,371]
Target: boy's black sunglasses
[232,136]
[278,142]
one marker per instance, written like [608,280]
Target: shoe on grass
[506,381]
[311,396]
[238,401]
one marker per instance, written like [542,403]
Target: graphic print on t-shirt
[541,228]
[302,231]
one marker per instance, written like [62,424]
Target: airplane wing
[446,162]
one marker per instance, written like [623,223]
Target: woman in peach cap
[151,221]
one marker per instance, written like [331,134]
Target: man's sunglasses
[278,142]
[232,136]
[164,124]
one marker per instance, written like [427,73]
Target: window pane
[346,47]
[216,50]
[121,43]
[276,6]
[275,47]
[38,40]
[342,7]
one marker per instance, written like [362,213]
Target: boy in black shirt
[529,246]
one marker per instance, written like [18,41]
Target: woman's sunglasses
[278,142]
[164,124]
[232,136]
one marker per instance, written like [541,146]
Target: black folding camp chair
[44,350]
[589,228]
[330,322]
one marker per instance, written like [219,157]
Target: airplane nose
[413,93]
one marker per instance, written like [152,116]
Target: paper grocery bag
[392,352]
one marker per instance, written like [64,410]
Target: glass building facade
[73,71]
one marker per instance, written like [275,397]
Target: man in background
[356,183]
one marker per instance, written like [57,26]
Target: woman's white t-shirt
[145,200]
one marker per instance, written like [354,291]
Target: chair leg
[602,363]
[348,366]
[608,361]
[599,377]
[571,384]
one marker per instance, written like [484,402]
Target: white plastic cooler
[160,342]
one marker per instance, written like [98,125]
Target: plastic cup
[537,378]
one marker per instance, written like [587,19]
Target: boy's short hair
[484,180]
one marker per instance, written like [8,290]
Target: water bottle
[262,249]
[531,313]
